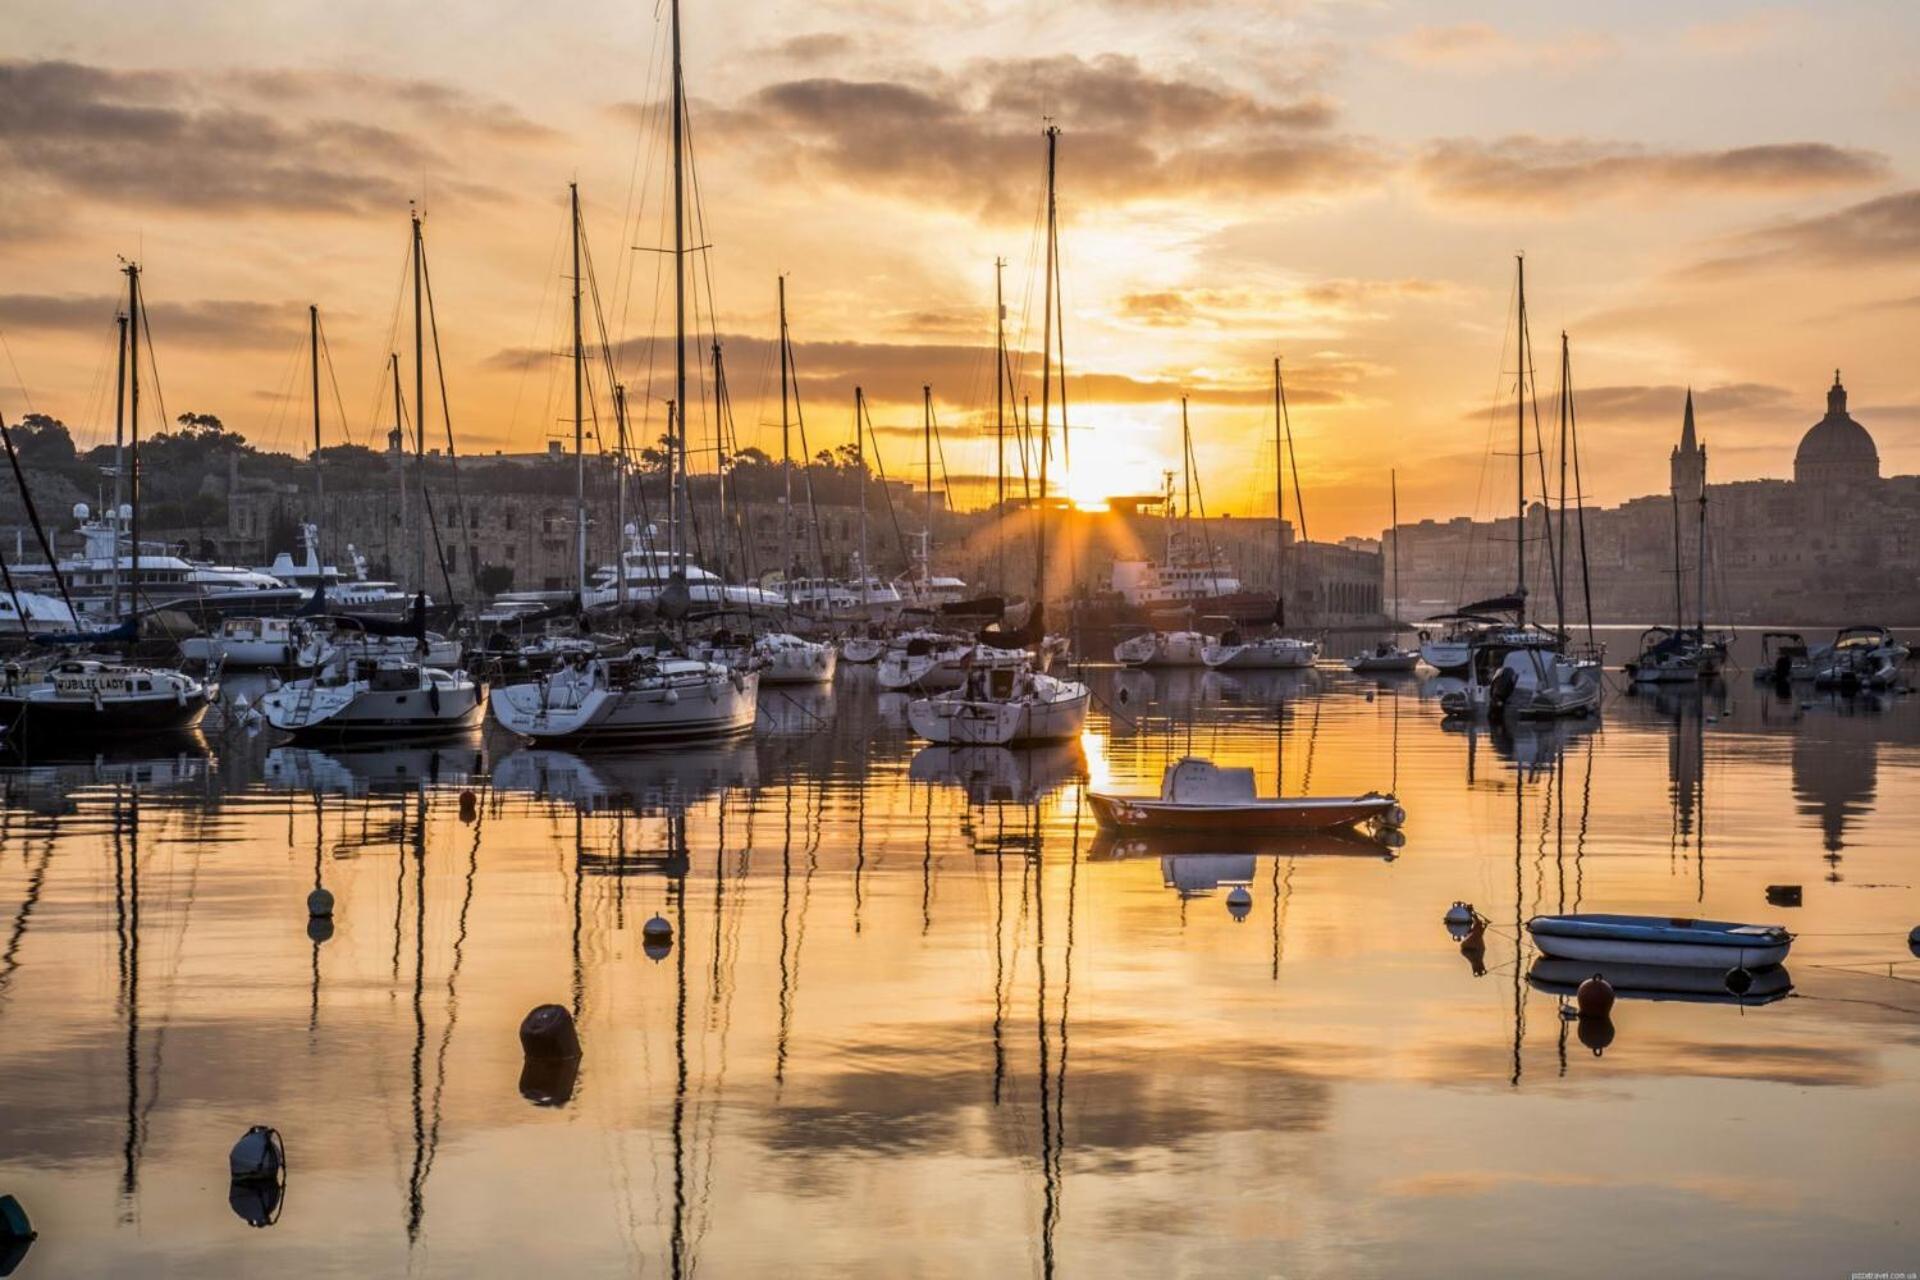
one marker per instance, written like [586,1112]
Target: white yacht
[357,592]
[783,658]
[86,697]
[1532,680]
[44,614]
[167,580]
[1164,649]
[376,697]
[639,698]
[287,642]
[1000,705]
[1232,652]
[648,568]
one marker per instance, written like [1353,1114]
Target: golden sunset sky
[1719,195]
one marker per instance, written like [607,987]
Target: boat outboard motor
[1500,690]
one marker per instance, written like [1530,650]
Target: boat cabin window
[143,686]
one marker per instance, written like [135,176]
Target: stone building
[1837,543]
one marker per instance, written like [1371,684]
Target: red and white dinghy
[1197,795]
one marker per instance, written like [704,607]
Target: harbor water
[917,1018]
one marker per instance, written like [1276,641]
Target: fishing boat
[1002,704]
[92,698]
[289,643]
[1675,941]
[1198,795]
[356,697]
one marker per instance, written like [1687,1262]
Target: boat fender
[1595,997]
[1739,980]
[320,903]
[1395,816]
[672,698]
[469,807]
[1460,916]
[433,697]
[547,1032]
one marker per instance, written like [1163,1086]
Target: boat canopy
[1197,781]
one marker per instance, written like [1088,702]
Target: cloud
[1665,403]
[961,375]
[1743,34]
[1327,300]
[1557,173]
[240,143]
[973,138]
[1884,231]
[233,323]
[1477,47]
[814,46]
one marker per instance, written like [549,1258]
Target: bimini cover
[1196,781]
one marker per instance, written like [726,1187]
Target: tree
[494,578]
[199,423]
[44,441]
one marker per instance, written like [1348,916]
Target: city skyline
[1341,185]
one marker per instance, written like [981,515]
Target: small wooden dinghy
[1660,940]
[1197,795]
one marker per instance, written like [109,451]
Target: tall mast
[1520,446]
[1679,587]
[1046,380]
[579,409]
[119,429]
[1393,492]
[860,478]
[133,431]
[1186,470]
[786,444]
[419,403]
[319,484]
[1279,507]
[677,445]
[1000,414]
[1700,575]
[1560,577]
[399,450]
[926,446]
[620,496]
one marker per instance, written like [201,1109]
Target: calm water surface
[916,1019]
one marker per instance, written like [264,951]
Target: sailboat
[645,695]
[1181,578]
[84,697]
[1675,655]
[1006,698]
[1388,656]
[1278,651]
[1523,669]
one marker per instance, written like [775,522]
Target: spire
[1837,398]
[1687,442]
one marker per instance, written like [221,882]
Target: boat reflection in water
[1686,984]
[647,783]
[387,768]
[1000,775]
[47,781]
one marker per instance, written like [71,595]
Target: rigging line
[453,459]
[333,376]
[33,518]
[1540,456]
[880,469]
[1293,456]
[19,380]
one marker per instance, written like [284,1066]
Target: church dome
[1836,450]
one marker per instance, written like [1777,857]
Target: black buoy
[547,1034]
[656,938]
[1596,1033]
[1739,980]
[1595,997]
[469,807]
[1239,902]
[1913,940]
[257,1168]
[319,928]
[320,904]
[548,1082]
[16,1235]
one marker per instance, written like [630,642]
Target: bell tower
[1688,464]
